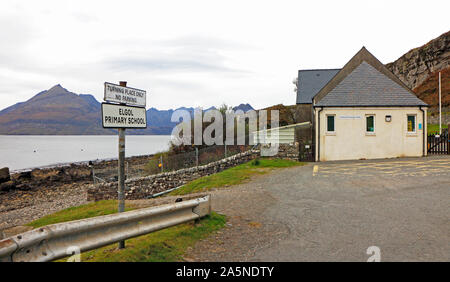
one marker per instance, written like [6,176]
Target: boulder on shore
[7,186]
[4,175]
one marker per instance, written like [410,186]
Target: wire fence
[197,157]
[110,173]
[165,162]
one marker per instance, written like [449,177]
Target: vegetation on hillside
[428,91]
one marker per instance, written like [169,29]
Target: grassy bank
[432,128]
[235,175]
[80,212]
[168,244]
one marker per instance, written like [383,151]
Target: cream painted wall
[350,140]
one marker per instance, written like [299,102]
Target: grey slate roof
[310,82]
[366,86]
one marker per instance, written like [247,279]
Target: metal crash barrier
[52,242]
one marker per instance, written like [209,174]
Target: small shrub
[256,162]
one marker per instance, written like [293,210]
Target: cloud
[205,42]
[194,53]
[16,35]
[169,63]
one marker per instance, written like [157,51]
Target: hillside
[419,69]
[54,111]
[58,111]
[428,90]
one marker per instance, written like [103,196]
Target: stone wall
[434,118]
[288,151]
[142,187]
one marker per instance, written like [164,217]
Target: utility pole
[121,184]
[440,106]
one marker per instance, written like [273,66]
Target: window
[330,123]
[370,124]
[411,123]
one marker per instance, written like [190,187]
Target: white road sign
[125,95]
[119,116]
[350,117]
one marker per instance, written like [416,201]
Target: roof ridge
[319,69]
[363,55]
[365,85]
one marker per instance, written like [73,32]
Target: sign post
[121,196]
[121,171]
[128,113]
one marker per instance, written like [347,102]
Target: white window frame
[374,124]
[326,124]
[414,132]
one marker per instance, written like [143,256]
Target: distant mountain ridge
[57,111]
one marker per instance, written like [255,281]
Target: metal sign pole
[121,184]
[127,110]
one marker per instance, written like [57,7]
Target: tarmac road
[335,211]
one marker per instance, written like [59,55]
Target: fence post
[196,156]
[161,162]
[93,174]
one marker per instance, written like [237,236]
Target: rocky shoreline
[25,180]
[30,194]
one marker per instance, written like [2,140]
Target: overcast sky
[199,53]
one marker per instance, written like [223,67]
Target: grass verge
[432,128]
[84,211]
[234,175]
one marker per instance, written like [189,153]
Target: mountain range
[57,111]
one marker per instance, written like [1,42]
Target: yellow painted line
[315,170]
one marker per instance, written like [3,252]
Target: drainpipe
[318,134]
[423,133]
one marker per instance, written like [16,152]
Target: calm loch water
[25,151]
